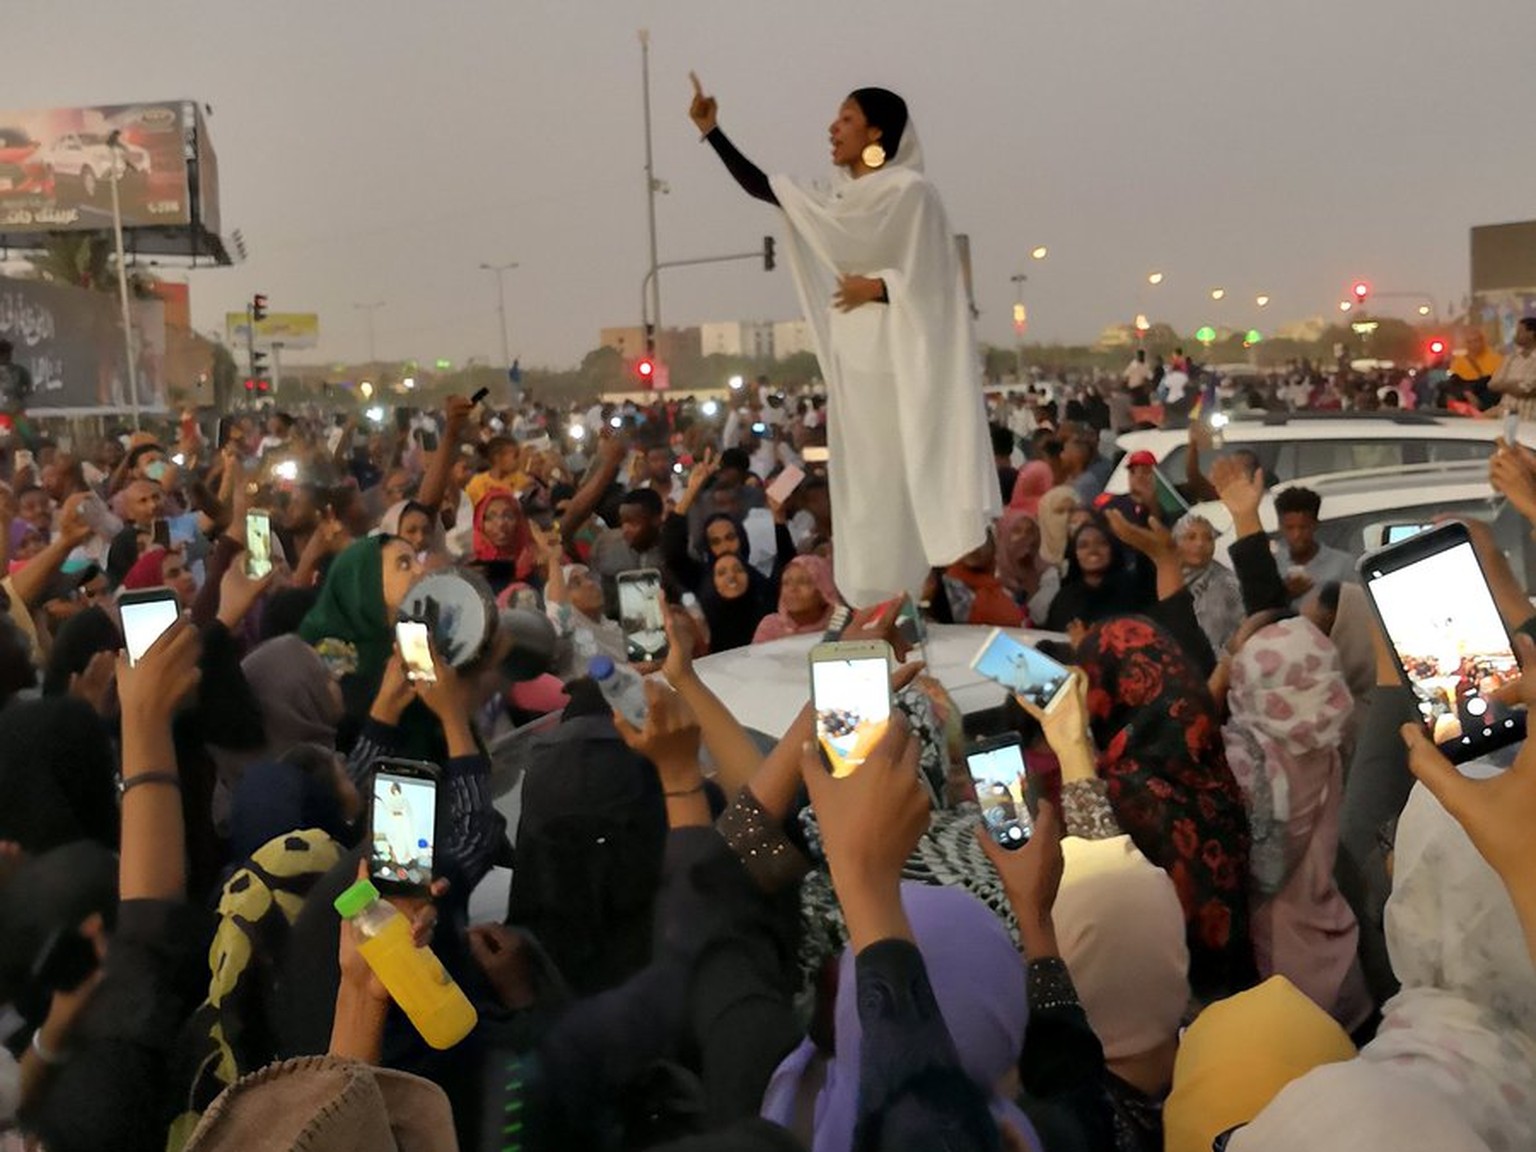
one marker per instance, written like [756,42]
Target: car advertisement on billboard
[57,165]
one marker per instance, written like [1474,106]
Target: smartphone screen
[998,771]
[851,692]
[1023,670]
[404,822]
[784,486]
[163,534]
[416,650]
[258,544]
[816,454]
[1449,640]
[642,615]
[146,615]
[1397,533]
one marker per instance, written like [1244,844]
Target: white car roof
[1301,426]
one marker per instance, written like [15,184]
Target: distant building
[629,342]
[750,338]
[790,338]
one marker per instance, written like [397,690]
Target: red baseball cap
[1143,457]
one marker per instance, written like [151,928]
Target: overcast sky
[382,150]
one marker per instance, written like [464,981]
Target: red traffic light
[1361,289]
[645,368]
[1436,347]
[259,307]
[250,385]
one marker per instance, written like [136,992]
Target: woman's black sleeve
[1258,574]
[753,180]
[1177,615]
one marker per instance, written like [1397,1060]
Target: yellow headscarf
[1239,1054]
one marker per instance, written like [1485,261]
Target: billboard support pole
[115,142]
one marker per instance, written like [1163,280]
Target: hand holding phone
[403,826]
[643,615]
[785,484]
[146,614]
[1025,671]
[258,544]
[998,771]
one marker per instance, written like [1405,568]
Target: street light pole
[650,187]
[115,142]
[369,309]
[501,306]
[1019,279]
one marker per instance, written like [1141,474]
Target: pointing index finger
[698,89]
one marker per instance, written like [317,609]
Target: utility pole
[652,328]
[501,305]
[373,358]
[115,143]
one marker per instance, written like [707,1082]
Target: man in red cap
[1140,504]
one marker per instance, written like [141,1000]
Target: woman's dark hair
[885,110]
[1116,549]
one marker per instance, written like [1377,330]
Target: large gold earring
[873,156]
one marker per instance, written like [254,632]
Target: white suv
[1296,445]
[86,157]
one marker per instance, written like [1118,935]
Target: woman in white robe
[912,479]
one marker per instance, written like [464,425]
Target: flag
[1205,404]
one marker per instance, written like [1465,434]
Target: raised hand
[1240,490]
[705,110]
[1153,541]
[1512,472]
[669,740]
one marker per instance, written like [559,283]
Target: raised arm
[703,112]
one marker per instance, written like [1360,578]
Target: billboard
[290,329]
[1503,277]
[56,166]
[71,340]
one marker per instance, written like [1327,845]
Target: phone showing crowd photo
[403,826]
[997,769]
[851,693]
[1023,670]
[1449,641]
[258,544]
[415,640]
[642,615]
[146,614]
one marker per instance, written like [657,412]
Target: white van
[1296,445]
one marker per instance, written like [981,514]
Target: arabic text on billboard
[56,167]
[71,341]
[290,329]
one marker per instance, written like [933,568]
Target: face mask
[156,470]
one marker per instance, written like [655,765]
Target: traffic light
[645,370]
[250,385]
[767,253]
[258,307]
[258,363]
[1436,347]
[1361,290]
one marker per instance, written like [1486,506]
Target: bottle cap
[356,898]
[600,667]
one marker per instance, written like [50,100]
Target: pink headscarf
[1035,480]
[781,623]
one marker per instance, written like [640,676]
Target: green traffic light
[1254,336]
[1206,334]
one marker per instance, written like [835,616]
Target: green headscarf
[349,625]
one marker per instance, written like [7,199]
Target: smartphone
[1397,533]
[815,454]
[162,534]
[642,615]
[1511,430]
[785,484]
[415,640]
[258,544]
[402,826]
[479,396]
[1023,670]
[1450,644]
[146,615]
[997,769]
[851,693]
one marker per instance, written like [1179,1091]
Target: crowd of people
[1238,923]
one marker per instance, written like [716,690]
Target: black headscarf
[82,636]
[122,555]
[57,775]
[733,623]
[885,110]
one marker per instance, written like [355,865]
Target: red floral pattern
[1171,788]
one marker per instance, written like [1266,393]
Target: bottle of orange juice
[416,979]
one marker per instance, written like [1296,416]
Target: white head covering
[1454,1063]
[1121,930]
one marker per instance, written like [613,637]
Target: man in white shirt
[1515,379]
[1138,373]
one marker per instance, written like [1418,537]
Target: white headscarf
[1454,1064]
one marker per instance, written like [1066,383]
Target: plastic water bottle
[416,979]
[622,687]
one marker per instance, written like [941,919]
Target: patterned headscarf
[1168,782]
